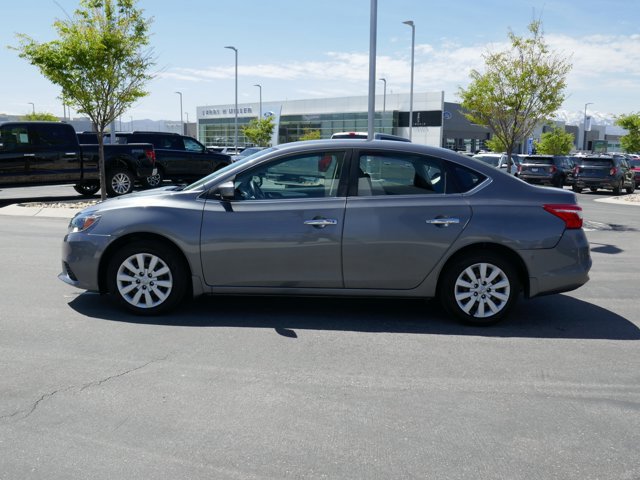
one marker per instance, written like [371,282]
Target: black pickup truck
[179,158]
[48,153]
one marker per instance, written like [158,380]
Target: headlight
[81,222]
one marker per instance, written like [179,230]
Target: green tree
[311,135]
[43,116]
[555,142]
[519,88]
[496,145]
[259,131]
[631,141]
[100,60]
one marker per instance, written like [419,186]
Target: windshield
[198,184]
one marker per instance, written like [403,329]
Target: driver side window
[315,175]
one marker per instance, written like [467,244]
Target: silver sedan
[335,217]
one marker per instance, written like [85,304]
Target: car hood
[145,198]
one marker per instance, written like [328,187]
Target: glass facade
[220,132]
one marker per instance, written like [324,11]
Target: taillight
[576,170]
[569,213]
[151,155]
[519,168]
[613,171]
[553,169]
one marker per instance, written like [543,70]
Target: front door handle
[321,222]
[443,222]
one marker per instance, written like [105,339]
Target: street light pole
[584,126]
[181,121]
[236,108]
[260,87]
[413,47]
[373,40]
[384,97]
[33,106]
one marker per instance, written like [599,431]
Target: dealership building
[435,122]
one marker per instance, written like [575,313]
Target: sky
[300,49]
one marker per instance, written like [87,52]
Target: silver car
[336,217]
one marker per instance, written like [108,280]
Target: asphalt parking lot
[274,388]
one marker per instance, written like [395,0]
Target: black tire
[87,189]
[593,189]
[630,189]
[576,189]
[153,181]
[120,181]
[617,190]
[476,282]
[147,278]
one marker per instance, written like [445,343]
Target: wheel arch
[513,258]
[134,237]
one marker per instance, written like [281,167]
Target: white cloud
[602,61]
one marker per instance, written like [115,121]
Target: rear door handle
[443,222]
[321,222]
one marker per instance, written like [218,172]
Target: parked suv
[635,166]
[554,170]
[178,158]
[603,171]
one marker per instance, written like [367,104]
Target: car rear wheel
[154,180]
[593,189]
[479,288]
[631,189]
[147,278]
[119,182]
[617,190]
[576,189]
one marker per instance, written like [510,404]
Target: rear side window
[409,174]
[400,174]
[14,138]
[52,135]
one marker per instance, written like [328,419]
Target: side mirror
[226,191]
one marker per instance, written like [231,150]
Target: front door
[283,229]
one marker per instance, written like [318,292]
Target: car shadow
[555,316]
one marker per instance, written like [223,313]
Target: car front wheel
[147,278]
[87,189]
[479,288]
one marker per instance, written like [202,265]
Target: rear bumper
[596,182]
[560,269]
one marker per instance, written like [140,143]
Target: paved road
[252,388]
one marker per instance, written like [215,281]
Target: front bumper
[81,254]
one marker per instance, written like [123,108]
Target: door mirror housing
[226,191]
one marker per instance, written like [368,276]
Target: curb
[20,211]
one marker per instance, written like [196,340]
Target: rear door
[403,219]
[56,153]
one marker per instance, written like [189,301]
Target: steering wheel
[250,190]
